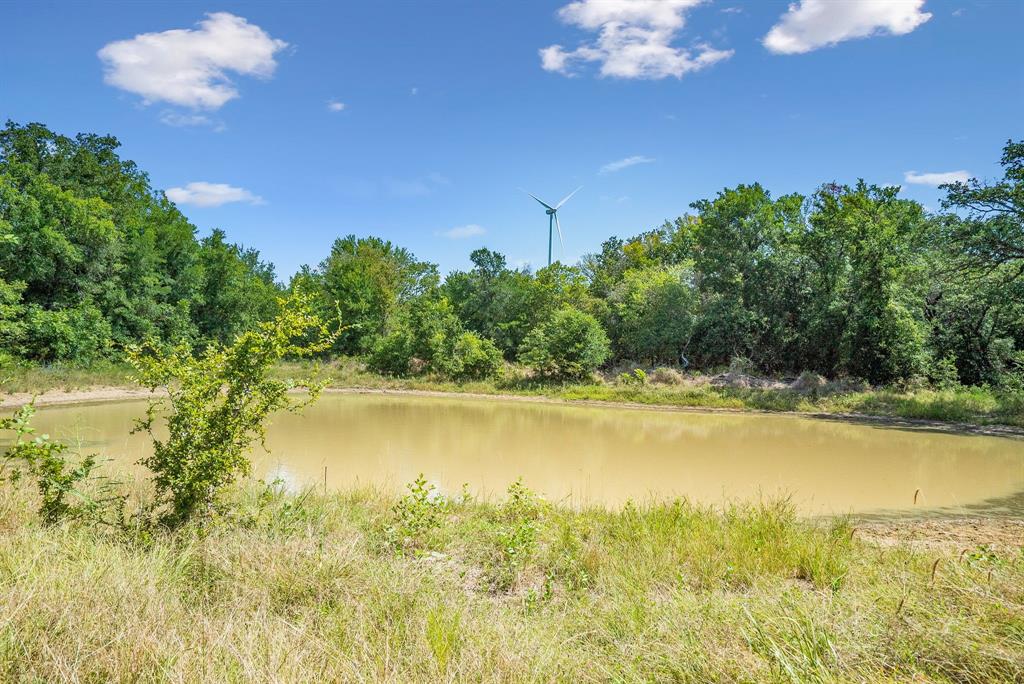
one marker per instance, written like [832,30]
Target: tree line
[851,280]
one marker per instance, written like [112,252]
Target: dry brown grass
[309,588]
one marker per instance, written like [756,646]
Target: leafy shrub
[741,365]
[570,344]
[478,357]
[392,353]
[430,331]
[944,374]
[416,515]
[637,377]
[517,531]
[217,404]
[58,479]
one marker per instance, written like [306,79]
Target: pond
[605,455]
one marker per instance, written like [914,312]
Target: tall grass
[312,587]
[24,376]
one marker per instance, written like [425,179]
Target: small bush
[570,344]
[416,516]
[61,482]
[809,382]
[638,377]
[741,365]
[430,337]
[392,354]
[517,531]
[79,334]
[944,374]
[477,358]
[217,405]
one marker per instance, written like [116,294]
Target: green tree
[368,280]
[570,344]
[976,303]
[992,234]
[653,313]
[875,287]
[747,273]
[493,300]
[237,290]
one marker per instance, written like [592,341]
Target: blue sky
[442,110]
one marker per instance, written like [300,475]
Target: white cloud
[335,106]
[179,120]
[190,67]
[414,91]
[634,39]
[612,167]
[812,24]
[936,179]
[202,194]
[463,232]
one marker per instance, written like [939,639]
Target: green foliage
[80,333]
[571,344]
[62,483]
[392,354]
[653,313]
[517,530]
[492,300]
[368,281]
[92,258]
[236,291]
[638,378]
[475,358]
[416,516]
[850,281]
[217,405]
[429,335]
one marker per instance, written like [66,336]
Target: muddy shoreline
[102,394]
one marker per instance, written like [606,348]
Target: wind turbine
[552,212]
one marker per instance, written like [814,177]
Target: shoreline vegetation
[366,585]
[969,409]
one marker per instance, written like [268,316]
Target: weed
[517,529]
[68,490]
[416,516]
[443,635]
[638,378]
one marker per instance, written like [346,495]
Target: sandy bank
[101,394]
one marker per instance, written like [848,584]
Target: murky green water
[607,455]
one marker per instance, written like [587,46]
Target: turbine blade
[560,240]
[566,198]
[542,202]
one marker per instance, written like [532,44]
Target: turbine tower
[552,212]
